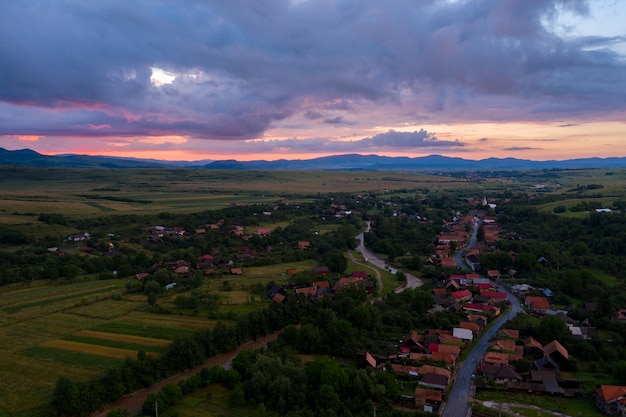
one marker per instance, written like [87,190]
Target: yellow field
[147,341]
[105,351]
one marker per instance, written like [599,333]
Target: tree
[66,398]
[153,287]
[336,261]
[308,339]
[551,328]
[152,298]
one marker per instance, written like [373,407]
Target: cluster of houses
[469,293]
[498,365]
[428,358]
[456,235]
[321,288]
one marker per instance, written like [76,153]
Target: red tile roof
[611,392]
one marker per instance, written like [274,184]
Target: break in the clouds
[239,70]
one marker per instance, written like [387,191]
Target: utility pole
[156,408]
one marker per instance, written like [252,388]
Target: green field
[80,329]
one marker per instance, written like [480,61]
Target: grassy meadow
[80,329]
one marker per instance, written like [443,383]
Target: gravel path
[506,407]
[133,402]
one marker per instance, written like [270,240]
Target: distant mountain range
[348,162]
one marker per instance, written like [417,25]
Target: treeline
[337,326]
[279,384]
[79,399]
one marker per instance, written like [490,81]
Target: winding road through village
[458,404]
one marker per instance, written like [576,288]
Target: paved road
[411,280]
[458,400]
[459,256]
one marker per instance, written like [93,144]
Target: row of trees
[76,399]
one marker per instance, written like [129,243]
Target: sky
[298,79]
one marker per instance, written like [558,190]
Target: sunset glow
[299,79]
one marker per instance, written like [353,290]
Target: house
[366,360]
[537,304]
[447,262]
[184,269]
[428,399]
[549,379]
[611,399]
[236,271]
[478,319]
[321,270]
[619,315]
[501,374]
[496,358]
[404,370]
[463,334]
[412,343]
[277,294]
[448,339]
[493,274]
[556,351]
[434,381]
[453,284]
[346,282]
[430,369]
[359,274]
[78,237]
[510,333]
[482,308]
[448,358]
[533,347]
[494,296]
[307,291]
[303,245]
[503,345]
[321,284]
[546,362]
[461,296]
[451,349]
[521,288]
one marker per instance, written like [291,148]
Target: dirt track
[133,402]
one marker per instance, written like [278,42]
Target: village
[430,357]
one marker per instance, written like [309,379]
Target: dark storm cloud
[243,66]
[417,139]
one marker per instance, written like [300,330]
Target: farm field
[79,329]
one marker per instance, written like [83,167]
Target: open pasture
[87,193]
[35,302]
